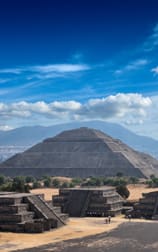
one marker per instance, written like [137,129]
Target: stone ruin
[26,212]
[81,202]
[147,207]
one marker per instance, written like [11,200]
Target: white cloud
[5,128]
[25,109]
[11,70]
[152,41]
[134,65]
[116,106]
[155,70]
[121,107]
[69,105]
[149,124]
[60,68]
[51,70]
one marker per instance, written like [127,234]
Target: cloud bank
[128,108]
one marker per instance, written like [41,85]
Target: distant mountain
[8,151]
[81,152]
[28,136]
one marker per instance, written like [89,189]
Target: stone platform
[80,202]
[26,212]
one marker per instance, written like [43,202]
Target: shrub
[55,183]
[36,184]
[2,179]
[133,180]
[64,185]
[153,182]
[29,179]
[47,182]
[76,181]
[123,191]
[18,184]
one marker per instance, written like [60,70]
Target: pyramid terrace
[26,212]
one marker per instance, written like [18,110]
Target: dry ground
[48,192]
[75,228]
[135,191]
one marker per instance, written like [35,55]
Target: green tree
[56,183]
[123,191]
[133,180]
[76,181]
[109,181]
[152,176]
[120,181]
[47,182]
[64,185]
[2,179]
[18,184]
[71,185]
[36,184]
[29,179]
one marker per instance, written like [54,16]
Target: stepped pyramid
[80,152]
[26,212]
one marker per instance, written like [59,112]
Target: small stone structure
[26,212]
[147,207]
[80,202]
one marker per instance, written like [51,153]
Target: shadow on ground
[129,237]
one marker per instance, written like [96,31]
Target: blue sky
[62,61]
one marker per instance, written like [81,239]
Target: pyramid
[80,152]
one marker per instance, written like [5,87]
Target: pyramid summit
[81,152]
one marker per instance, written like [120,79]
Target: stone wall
[89,202]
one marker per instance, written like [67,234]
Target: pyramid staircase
[43,210]
[85,206]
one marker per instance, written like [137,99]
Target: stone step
[11,227]
[35,226]
[10,201]
[57,210]
[18,208]
[16,218]
[32,226]
[64,217]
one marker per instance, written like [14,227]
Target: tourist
[109,219]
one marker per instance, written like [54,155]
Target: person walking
[109,219]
